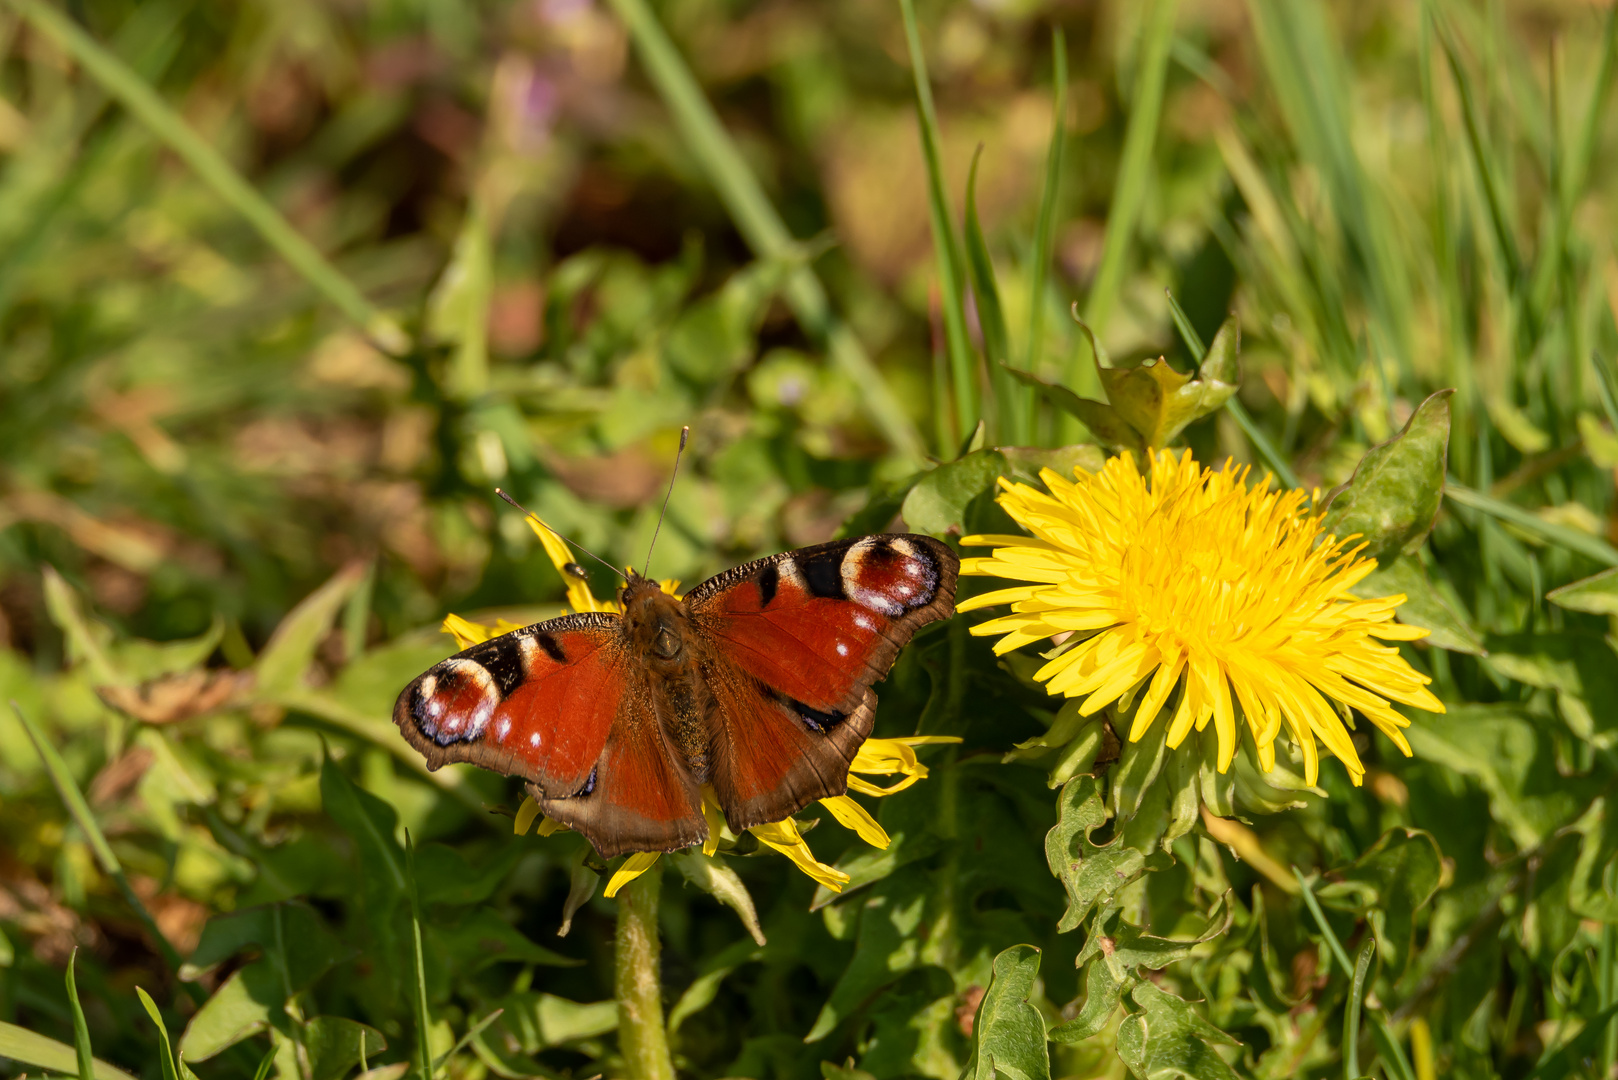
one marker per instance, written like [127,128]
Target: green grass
[286,292]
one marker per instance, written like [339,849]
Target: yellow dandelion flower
[1188,579]
[879,757]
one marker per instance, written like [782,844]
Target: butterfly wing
[563,705]
[793,644]
[536,703]
[639,797]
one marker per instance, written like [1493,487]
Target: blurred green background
[539,265]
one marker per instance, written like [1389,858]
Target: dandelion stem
[642,1037]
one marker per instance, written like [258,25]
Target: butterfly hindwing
[638,797]
[797,641]
[536,703]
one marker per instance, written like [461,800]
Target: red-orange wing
[794,643]
[537,703]
[638,797]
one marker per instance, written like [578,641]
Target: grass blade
[991,317]
[20,1044]
[1351,1016]
[57,769]
[466,1040]
[418,999]
[1493,190]
[133,92]
[1135,167]
[1393,1055]
[1259,441]
[167,1060]
[1045,230]
[948,247]
[1560,535]
[757,220]
[1326,931]
[81,1030]
[265,1063]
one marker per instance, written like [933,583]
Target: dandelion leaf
[1393,497]
[1166,1038]
[1090,873]
[337,1044]
[885,948]
[1393,880]
[247,1003]
[1008,1033]
[1222,362]
[907,1023]
[530,1022]
[1510,756]
[481,937]
[1425,606]
[1103,421]
[1578,665]
[1589,893]
[937,504]
[1157,401]
[1027,461]
[1112,959]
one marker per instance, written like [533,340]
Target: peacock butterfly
[758,682]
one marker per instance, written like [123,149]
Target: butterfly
[757,682]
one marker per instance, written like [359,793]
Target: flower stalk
[642,1036]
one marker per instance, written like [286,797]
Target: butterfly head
[654,620]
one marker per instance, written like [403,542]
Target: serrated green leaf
[1102,988]
[1393,497]
[1008,1035]
[1222,362]
[1153,398]
[1424,605]
[1090,873]
[1168,1039]
[310,948]
[937,504]
[1589,891]
[336,1044]
[1102,420]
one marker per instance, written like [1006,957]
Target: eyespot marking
[888,575]
[455,702]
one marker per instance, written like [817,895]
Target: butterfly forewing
[536,703]
[796,641]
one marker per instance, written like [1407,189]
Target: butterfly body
[757,682]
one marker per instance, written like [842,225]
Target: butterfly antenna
[529,513]
[685,433]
